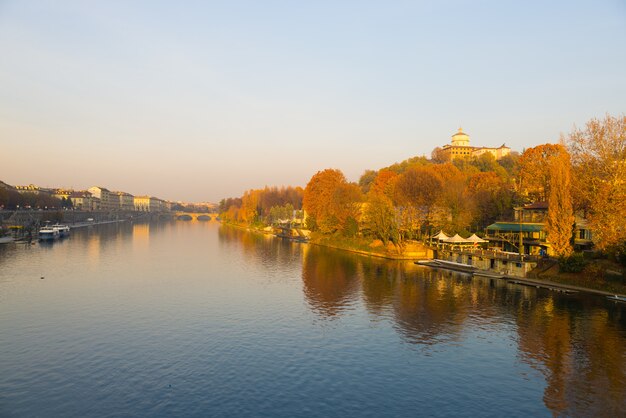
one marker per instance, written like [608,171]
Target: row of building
[101,198]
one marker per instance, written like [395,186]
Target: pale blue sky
[203,100]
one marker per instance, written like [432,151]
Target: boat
[617,298]
[451,265]
[6,239]
[49,233]
[64,230]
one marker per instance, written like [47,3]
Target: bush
[620,254]
[575,263]
[311,223]
[351,227]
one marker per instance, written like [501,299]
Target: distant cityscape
[95,198]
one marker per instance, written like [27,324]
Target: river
[199,319]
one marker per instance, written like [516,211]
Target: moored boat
[49,233]
[6,239]
[451,265]
[64,230]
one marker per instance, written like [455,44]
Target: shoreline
[335,247]
[522,281]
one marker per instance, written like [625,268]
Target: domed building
[460,148]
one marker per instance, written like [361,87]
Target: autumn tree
[560,219]
[416,193]
[492,197]
[384,183]
[487,162]
[346,207]
[599,163]
[380,218]
[510,163]
[330,201]
[438,156]
[249,206]
[366,180]
[534,178]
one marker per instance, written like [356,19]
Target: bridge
[196,216]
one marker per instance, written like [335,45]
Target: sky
[201,100]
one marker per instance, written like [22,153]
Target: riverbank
[94,223]
[599,275]
[409,251]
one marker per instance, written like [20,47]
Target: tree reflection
[583,357]
[263,251]
[577,342]
[330,279]
[433,308]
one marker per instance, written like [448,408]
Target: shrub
[620,254]
[351,227]
[575,263]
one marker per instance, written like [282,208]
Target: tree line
[12,199]
[584,173]
[262,206]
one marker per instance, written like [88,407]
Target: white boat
[49,233]
[64,230]
[6,239]
[436,263]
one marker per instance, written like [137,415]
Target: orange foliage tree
[534,177]
[384,183]
[417,191]
[330,201]
[492,197]
[599,163]
[560,220]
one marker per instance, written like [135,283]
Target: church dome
[460,132]
[460,138]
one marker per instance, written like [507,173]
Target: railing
[500,255]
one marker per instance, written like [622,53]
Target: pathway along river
[198,319]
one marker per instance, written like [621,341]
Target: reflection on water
[577,342]
[330,280]
[245,324]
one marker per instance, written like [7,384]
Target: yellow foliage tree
[599,161]
[560,220]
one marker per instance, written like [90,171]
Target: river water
[198,319]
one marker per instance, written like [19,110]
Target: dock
[522,281]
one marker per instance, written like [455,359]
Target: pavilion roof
[457,239]
[440,236]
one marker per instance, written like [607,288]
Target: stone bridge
[198,216]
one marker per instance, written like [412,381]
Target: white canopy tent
[476,239]
[457,239]
[441,236]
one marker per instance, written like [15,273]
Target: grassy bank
[375,248]
[598,274]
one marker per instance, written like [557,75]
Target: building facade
[108,200]
[530,222]
[460,147]
[125,201]
[82,201]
